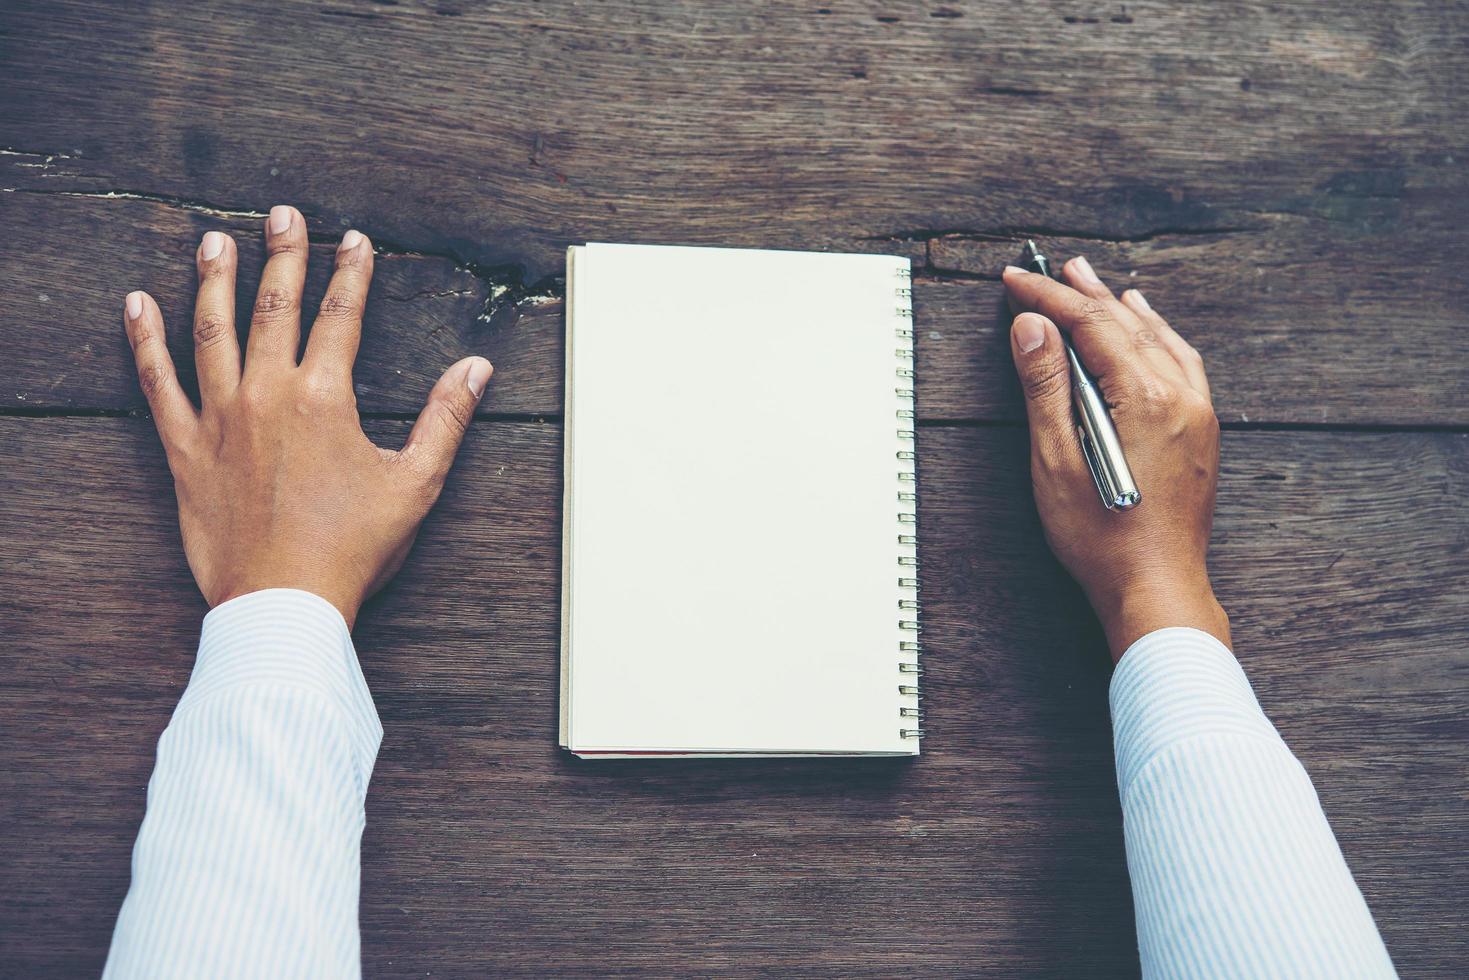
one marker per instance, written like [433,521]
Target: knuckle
[182,451]
[457,413]
[1093,313]
[354,258]
[216,268]
[1198,408]
[1046,379]
[287,246]
[151,378]
[274,302]
[321,388]
[1156,398]
[341,303]
[1145,339]
[209,329]
[141,336]
[1161,393]
[254,397]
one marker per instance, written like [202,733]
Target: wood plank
[502,133]
[1294,329]
[488,852]
[1298,322]
[65,348]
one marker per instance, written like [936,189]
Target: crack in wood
[1018,233]
[47,158]
[505,285]
[69,412]
[182,203]
[1236,425]
[428,294]
[556,418]
[1014,90]
[506,288]
[931,273]
[43,164]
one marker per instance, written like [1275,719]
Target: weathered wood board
[488,852]
[1382,352]
[1286,181]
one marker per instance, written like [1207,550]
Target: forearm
[1234,868]
[247,862]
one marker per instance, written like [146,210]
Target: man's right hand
[1142,569]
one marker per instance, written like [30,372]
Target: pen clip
[1088,451]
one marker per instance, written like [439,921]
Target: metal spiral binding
[909,668]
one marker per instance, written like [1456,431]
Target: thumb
[446,416]
[1045,377]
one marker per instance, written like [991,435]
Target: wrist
[345,602]
[1138,609]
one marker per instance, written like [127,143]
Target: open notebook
[740,563]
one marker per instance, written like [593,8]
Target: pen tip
[1030,246]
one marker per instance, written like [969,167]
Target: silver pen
[1099,442]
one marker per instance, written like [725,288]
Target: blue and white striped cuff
[288,638]
[1174,684]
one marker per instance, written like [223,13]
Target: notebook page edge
[564,709]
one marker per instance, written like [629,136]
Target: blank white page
[732,553]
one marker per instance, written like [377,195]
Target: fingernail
[1141,299]
[280,220]
[134,305]
[212,245]
[350,240]
[1012,268]
[478,376]
[1084,269]
[1030,331]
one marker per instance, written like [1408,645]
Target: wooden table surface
[1287,181]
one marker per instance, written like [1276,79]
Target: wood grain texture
[1381,349]
[490,853]
[1286,181]
[503,132]
[65,347]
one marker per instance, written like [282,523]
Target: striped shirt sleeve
[1235,871]
[248,860]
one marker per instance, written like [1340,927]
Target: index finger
[172,411]
[1104,343]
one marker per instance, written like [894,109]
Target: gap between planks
[555,418]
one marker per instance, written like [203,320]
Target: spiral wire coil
[909,668]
